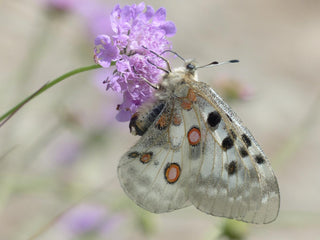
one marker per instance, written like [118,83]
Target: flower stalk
[6,116]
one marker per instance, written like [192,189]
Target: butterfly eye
[190,67]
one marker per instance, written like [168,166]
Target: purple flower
[105,50]
[138,31]
[60,5]
[83,218]
[68,151]
[93,13]
[87,218]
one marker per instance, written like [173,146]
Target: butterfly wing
[150,172]
[235,179]
[198,151]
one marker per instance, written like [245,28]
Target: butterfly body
[194,150]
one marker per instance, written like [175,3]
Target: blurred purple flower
[65,149]
[87,218]
[92,11]
[68,152]
[138,31]
[61,5]
[95,15]
[83,218]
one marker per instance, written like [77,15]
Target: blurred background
[59,153]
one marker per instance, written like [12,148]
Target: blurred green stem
[5,117]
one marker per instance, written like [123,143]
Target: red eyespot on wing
[146,157]
[194,136]
[172,172]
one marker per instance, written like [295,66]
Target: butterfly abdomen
[141,121]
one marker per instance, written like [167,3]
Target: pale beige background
[277,43]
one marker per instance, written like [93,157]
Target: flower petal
[160,15]
[149,12]
[169,27]
[105,50]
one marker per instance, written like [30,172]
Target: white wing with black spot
[235,179]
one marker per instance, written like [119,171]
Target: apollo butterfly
[194,150]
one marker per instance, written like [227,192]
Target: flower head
[60,5]
[93,12]
[89,218]
[138,30]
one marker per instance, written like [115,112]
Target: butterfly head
[190,67]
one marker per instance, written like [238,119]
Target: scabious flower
[93,13]
[138,30]
[89,218]
[67,150]
[61,5]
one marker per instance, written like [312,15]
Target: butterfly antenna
[173,52]
[218,63]
[146,80]
[159,56]
[165,70]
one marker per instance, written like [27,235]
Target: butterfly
[194,150]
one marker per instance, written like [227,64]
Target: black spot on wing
[232,167]
[133,154]
[227,143]
[246,140]
[233,134]
[243,152]
[214,119]
[259,159]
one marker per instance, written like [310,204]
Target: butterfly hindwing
[150,172]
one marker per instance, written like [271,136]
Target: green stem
[5,117]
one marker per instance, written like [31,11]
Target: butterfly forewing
[247,189]
[197,150]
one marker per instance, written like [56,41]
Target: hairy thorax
[174,84]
